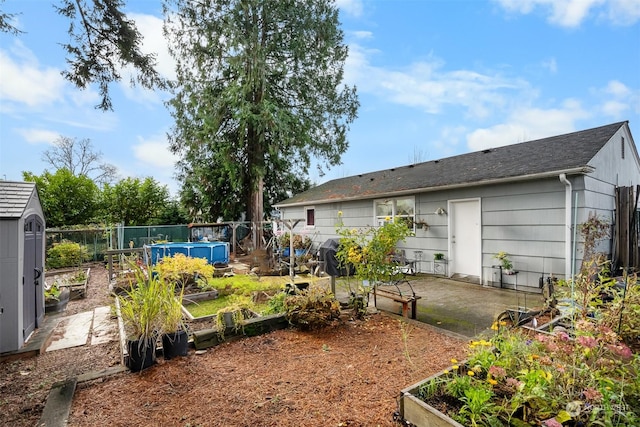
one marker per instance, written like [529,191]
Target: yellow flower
[446,371]
[471,373]
[339,213]
[494,326]
[492,381]
[454,360]
[387,218]
[454,367]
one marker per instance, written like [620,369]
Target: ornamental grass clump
[521,379]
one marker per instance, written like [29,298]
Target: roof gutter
[568,264]
[552,174]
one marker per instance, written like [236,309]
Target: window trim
[306,216]
[379,220]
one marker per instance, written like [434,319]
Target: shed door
[32,289]
[465,238]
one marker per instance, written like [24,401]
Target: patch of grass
[207,307]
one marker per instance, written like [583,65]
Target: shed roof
[14,197]
[569,153]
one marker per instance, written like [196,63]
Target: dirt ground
[349,374]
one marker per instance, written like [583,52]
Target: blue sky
[435,79]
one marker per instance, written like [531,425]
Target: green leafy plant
[369,253]
[185,271]
[438,256]
[505,262]
[519,379]
[52,292]
[66,254]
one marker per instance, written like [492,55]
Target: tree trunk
[256,211]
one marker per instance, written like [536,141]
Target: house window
[622,147]
[310,215]
[402,208]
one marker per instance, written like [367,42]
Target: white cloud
[616,88]
[550,65]
[618,100]
[352,7]
[362,35]
[572,13]
[154,152]
[428,86]
[624,12]
[38,136]
[528,124]
[154,42]
[25,82]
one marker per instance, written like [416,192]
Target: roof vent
[410,166]
[436,161]
[392,170]
[488,150]
[371,179]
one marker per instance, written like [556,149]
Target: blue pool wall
[215,253]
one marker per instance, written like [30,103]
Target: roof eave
[572,171]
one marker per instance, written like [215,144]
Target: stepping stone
[72,331]
[105,329]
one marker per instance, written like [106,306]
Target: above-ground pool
[215,253]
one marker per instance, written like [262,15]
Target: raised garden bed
[75,280]
[415,411]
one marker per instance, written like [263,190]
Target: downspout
[568,265]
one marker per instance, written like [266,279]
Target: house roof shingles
[569,152]
[14,197]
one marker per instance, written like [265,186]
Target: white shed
[22,254]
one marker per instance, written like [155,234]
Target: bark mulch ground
[348,374]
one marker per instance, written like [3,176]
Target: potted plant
[438,256]
[175,338]
[300,244]
[140,309]
[505,262]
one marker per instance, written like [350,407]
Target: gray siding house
[22,252]
[524,199]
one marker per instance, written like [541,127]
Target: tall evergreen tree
[259,94]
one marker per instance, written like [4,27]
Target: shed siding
[10,297]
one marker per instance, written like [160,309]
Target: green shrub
[313,308]
[66,254]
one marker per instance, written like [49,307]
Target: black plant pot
[142,354]
[175,344]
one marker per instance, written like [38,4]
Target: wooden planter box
[200,296]
[77,290]
[418,413]
[250,327]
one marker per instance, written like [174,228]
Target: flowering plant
[521,379]
[370,250]
[503,257]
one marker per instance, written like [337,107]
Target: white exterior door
[465,238]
